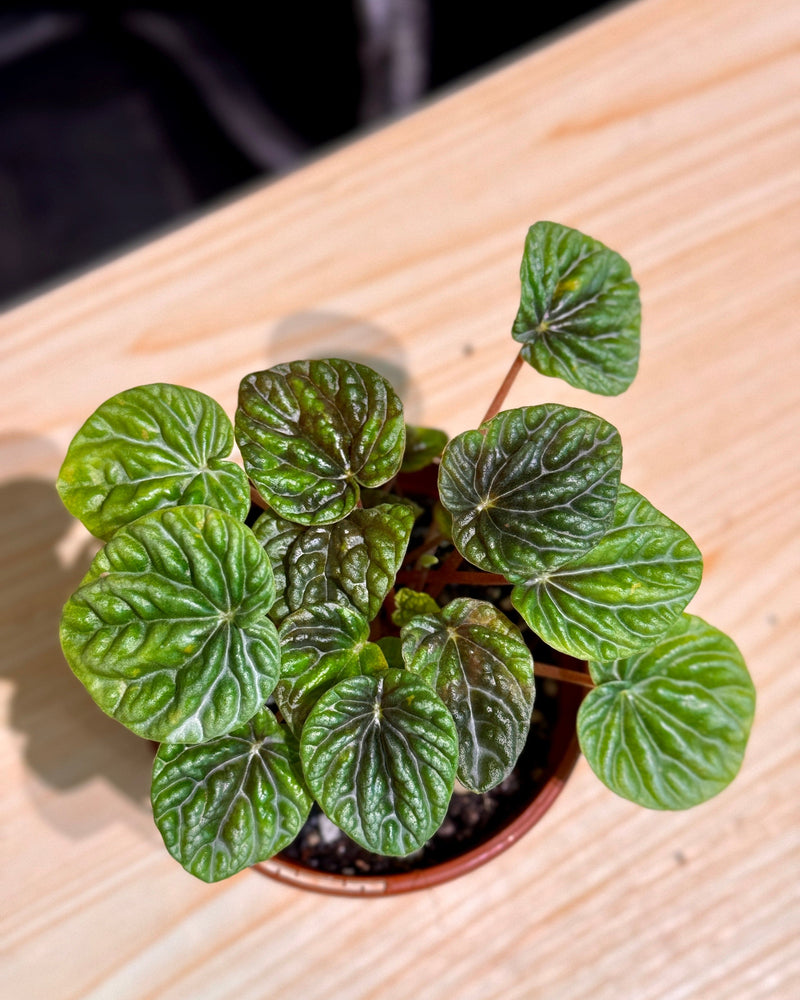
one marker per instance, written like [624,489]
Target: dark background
[114,124]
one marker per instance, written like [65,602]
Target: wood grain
[668,129]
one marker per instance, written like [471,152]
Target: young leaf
[319,648]
[411,603]
[478,663]
[622,594]
[150,447]
[667,727]
[531,489]
[352,562]
[311,431]
[379,754]
[423,445]
[224,805]
[579,313]
[168,630]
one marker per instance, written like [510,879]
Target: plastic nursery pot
[520,810]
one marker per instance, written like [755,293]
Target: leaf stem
[562,674]
[502,392]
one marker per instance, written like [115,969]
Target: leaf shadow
[67,743]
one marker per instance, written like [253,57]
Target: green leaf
[533,488]
[352,562]
[423,445]
[379,754]
[311,431]
[410,603]
[478,663]
[168,630]
[667,727]
[319,648]
[622,594]
[579,313]
[392,649]
[224,805]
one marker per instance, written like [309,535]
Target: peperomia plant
[322,650]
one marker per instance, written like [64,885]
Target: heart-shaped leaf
[150,447]
[319,648]
[168,631]
[311,431]
[379,754]
[478,663]
[531,489]
[423,445]
[224,805]
[353,561]
[579,313]
[667,727]
[409,604]
[622,594]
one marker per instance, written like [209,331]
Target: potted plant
[331,645]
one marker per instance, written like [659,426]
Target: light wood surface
[669,130]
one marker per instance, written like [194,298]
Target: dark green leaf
[423,445]
[531,489]
[478,663]
[150,447]
[311,431]
[410,603]
[622,594]
[352,562]
[579,314]
[392,649]
[168,629]
[379,754]
[667,727]
[319,648]
[227,804]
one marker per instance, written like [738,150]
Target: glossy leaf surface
[311,432]
[621,595]
[168,630]
[579,313]
[531,489]
[379,754]
[667,727]
[224,805]
[423,445]
[411,603]
[352,562]
[151,447]
[478,663]
[320,647]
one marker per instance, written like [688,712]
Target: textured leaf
[423,445]
[352,562]
[311,431]
[622,594]
[410,603]
[667,727]
[151,447]
[319,648]
[379,754]
[168,630]
[531,489]
[579,313]
[224,805]
[478,663]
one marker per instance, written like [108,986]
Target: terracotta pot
[562,756]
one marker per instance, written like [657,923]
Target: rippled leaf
[168,630]
[353,562]
[379,754]
[312,432]
[478,663]
[319,648]
[224,805]
[423,445]
[579,313]
[411,603]
[151,447]
[622,594]
[667,727]
[532,488]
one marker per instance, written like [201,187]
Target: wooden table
[669,130]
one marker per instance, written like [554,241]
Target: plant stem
[502,392]
[562,674]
